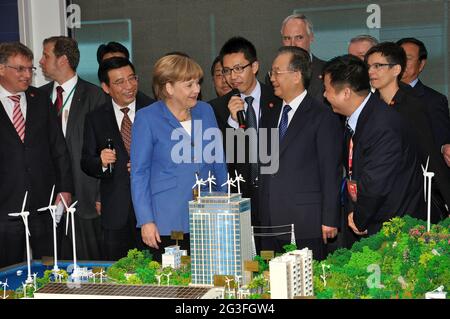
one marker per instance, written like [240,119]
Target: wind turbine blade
[25,221]
[14,214]
[64,202]
[235,172]
[24,201]
[428,160]
[73,204]
[43,209]
[67,222]
[51,196]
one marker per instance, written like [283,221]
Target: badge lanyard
[65,102]
[350,159]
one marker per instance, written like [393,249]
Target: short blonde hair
[173,68]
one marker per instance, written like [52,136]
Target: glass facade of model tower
[220,236]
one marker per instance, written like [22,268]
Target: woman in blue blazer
[173,139]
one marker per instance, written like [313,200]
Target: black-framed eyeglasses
[275,73]
[237,69]
[378,66]
[23,69]
[121,82]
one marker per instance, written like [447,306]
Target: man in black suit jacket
[383,172]
[240,65]
[119,80]
[34,157]
[59,62]
[435,102]
[386,63]
[305,189]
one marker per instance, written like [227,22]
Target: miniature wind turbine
[52,209]
[102,275]
[227,281]
[199,183]
[158,278]
[24,214]
[168,277]
[324,275]
[4,284]
[427,176]
[71,210]
[239,179]
[229,182]
[211,180]
[292,235]
[34,281]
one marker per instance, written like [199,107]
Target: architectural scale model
[172,256]
[291,275]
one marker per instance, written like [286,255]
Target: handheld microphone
[240,114]
[110,145]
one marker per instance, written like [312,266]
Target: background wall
[200,27]
[9,22]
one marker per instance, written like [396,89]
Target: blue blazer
[164,160]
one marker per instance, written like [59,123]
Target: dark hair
[111,64]
[423,53]
[239,45]
[213,65]
[111,47]
[300,61]
[65,46]
[348,70]
[393,53]
[9,49]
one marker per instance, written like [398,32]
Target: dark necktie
[284,122]
[253,139]
[59,99]
[125,129]
[18,120]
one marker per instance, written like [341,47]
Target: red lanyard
[350,159]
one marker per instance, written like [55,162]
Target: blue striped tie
[284,122]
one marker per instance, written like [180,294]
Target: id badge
[352,190]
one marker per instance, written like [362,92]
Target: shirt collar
[256,93]
[414,82]
[353,119]
[131,106]
[295,103]
[5,93]
[68,85]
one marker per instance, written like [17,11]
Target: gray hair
[299,16]
[365,37]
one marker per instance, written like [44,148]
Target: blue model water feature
[17,274]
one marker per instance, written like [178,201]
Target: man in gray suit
[73,98]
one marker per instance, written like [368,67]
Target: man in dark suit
[383,171]
[73,98]
[116,49]
[34,157]
[240,66]
[435,102]
[297,30]
[305,189]
[386,62]
[113,120]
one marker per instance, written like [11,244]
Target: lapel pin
[270,104]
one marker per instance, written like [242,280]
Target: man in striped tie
[34,157]
[305,190]
[113,121]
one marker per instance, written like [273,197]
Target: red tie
[59,99]
[18,120]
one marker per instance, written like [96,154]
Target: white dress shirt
[8,104]
[120,115]
[294,104]
[67,95]
[256,94]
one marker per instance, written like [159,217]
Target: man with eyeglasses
[386,63]
[305,189]
[240,66]
[72,99]
[221,85]
[383,177]
[34,157]
[113,120]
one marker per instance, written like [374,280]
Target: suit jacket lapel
[117,137]
[8,125]
[76,108]
[362,120]
[419,88]
[32,114]
[297,123]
